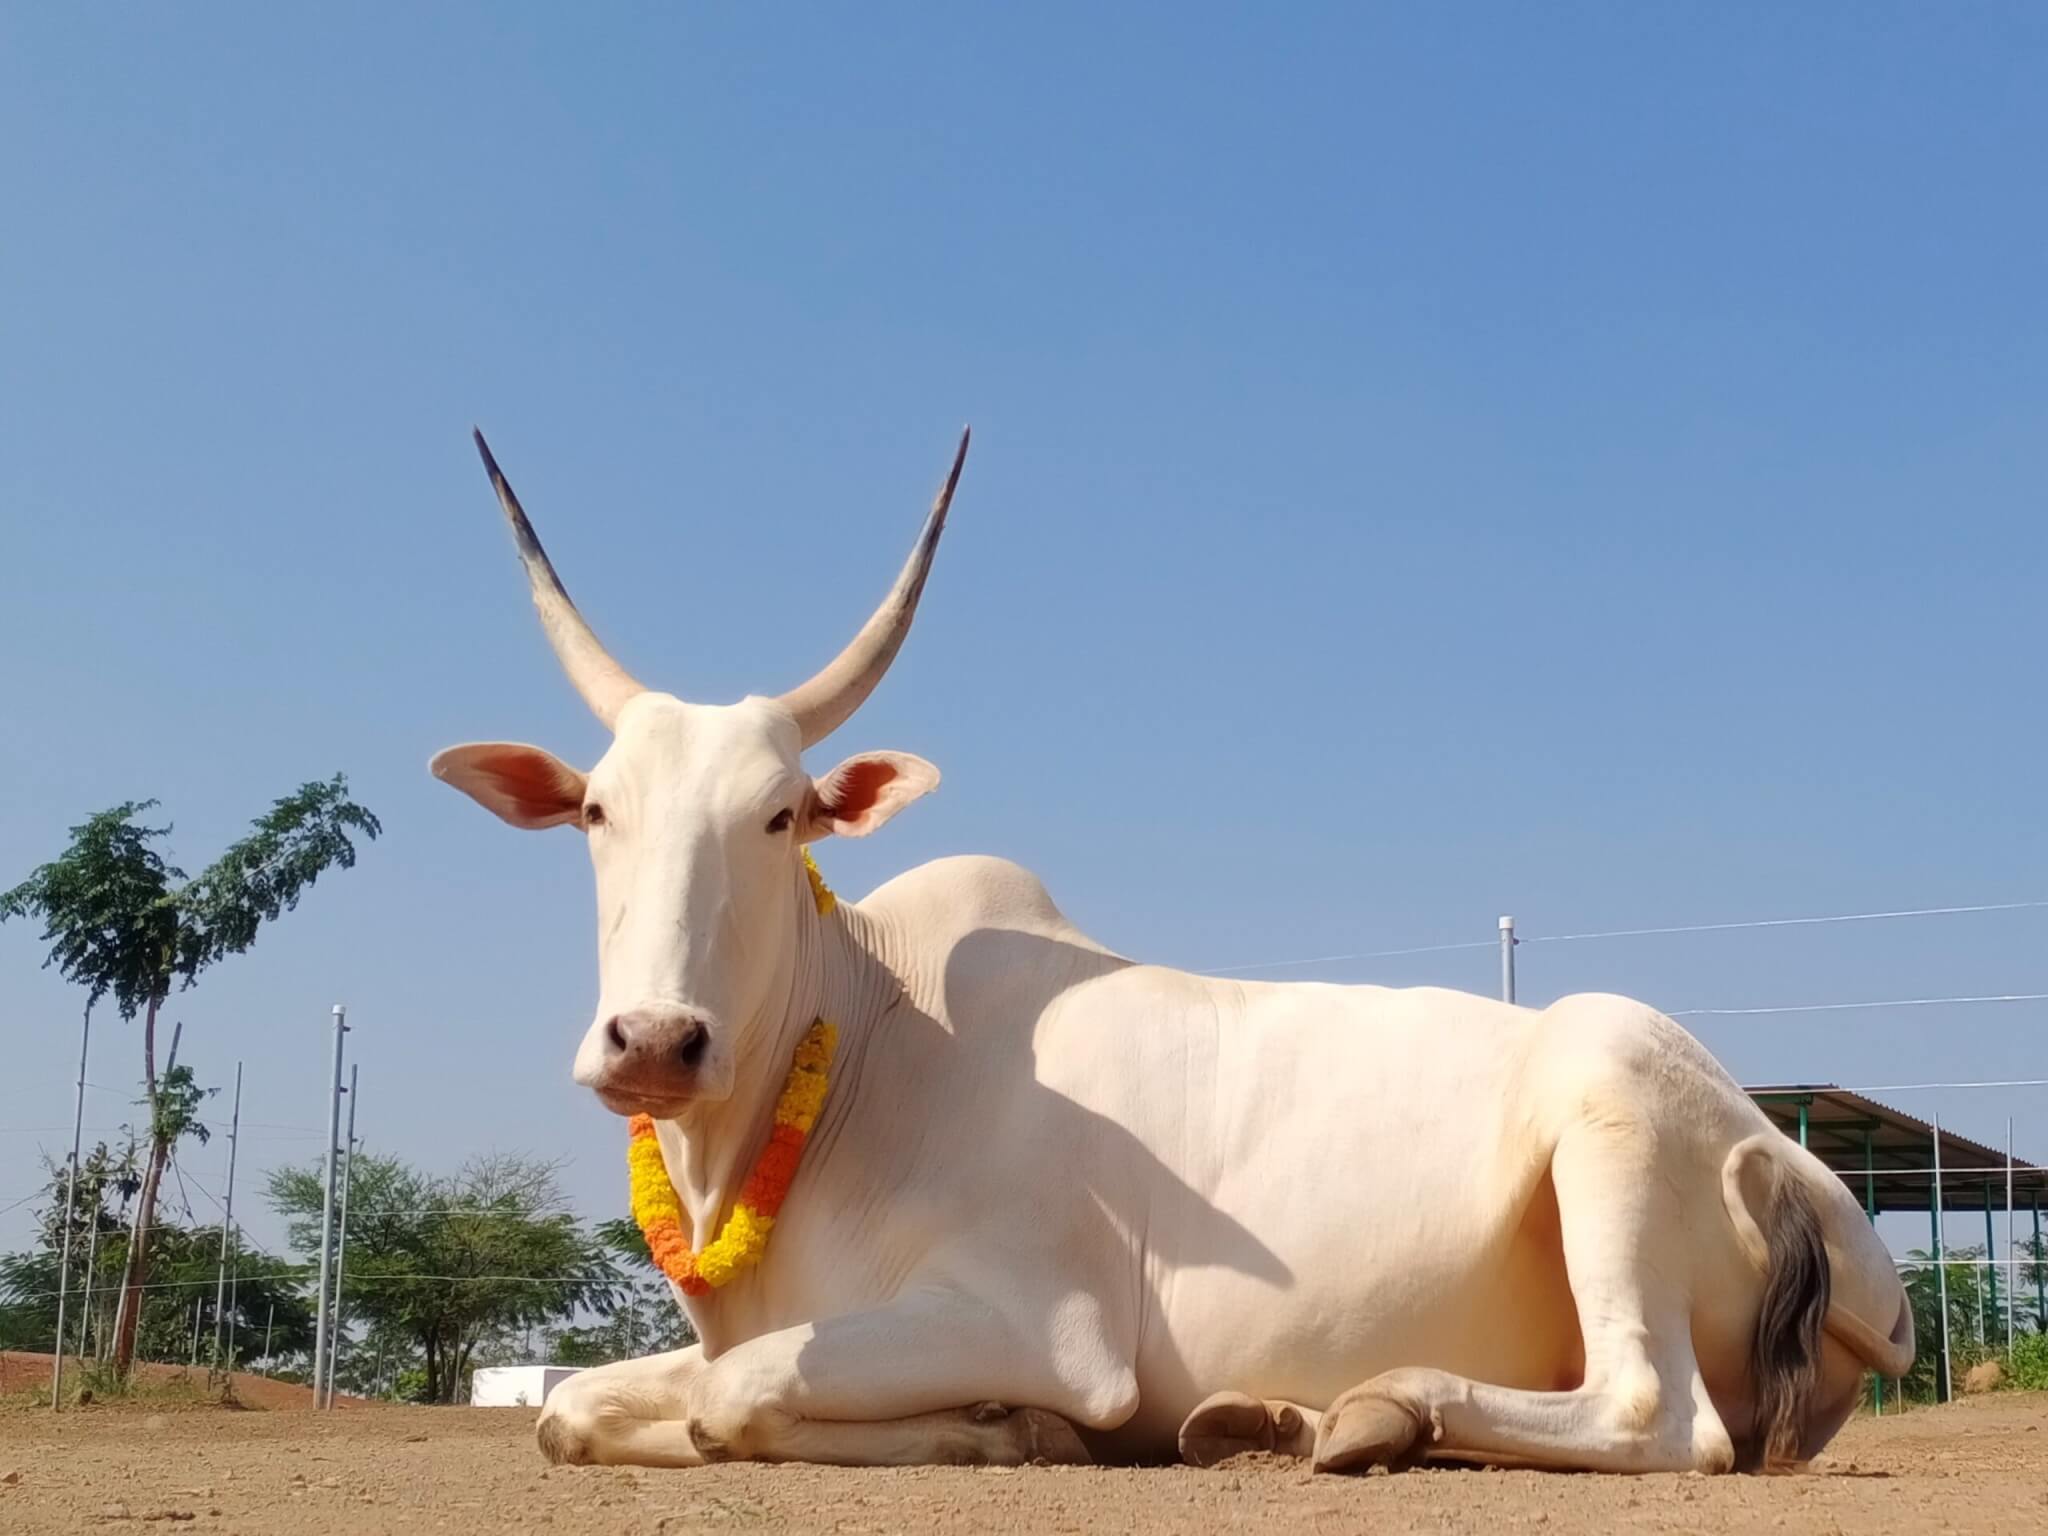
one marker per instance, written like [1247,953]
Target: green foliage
[1976,1315]
[107,1181]
[2033,1278]
[2027,1366]
[176,1111]
[646,1321]
[186,1270]
[107,909]
[443,1274]
[120,920]
[264,875]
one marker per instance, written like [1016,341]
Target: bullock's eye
[781,821]
[593,815]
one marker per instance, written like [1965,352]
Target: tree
[107,1181]
[120,920]
[447,1272]
[646,1320]
[266,1293]
[1966,1302]
[2031,1275]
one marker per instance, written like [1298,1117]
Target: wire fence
[1632,933]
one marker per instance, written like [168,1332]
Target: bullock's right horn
[825,703]
[604,684]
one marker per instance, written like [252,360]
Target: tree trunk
[136,1274]
[129,1318]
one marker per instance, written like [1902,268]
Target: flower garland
[744,1238]
[821,893]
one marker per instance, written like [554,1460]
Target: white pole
[327,1207]
[227,1223]
[92,1249]
[1948,1373]
[234,1304]
[348,1169]
[1507,959]
[269,1317]
[70,1201]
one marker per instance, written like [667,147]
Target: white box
[516,1386]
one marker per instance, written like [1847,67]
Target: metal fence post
[227,1224]
[70,1202]
[1507,959]
[1948,1375]
[327,1207]
[348,1169]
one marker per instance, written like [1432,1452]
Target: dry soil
[1980,1465]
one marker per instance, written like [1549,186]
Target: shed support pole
[1869,1180]
[1870,1210]
[2040,1272]
[1947,1382]
[1989,1302]
[2012,1250]
[1803,1109]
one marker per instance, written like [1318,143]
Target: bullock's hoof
[561,1445]
[1046,1439]
[1232,1423]
[1224,1425]
[1363,1430]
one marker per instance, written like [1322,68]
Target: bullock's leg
[903,1385]
[634,1413]
[1229,1424]
[1642,1406]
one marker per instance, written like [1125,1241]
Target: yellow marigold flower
[821,893]
[744,1238]
[738,1247]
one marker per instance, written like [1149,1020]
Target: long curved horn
[604,684]
[825,703]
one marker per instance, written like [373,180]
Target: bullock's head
[696,820]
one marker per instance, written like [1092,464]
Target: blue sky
[1430,462]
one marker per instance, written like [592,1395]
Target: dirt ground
[22,1373]
[1980,1465]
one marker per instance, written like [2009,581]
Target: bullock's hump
[970,891]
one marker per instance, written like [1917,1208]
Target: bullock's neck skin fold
[839,971]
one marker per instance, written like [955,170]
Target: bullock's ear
[863,792]
[523,785]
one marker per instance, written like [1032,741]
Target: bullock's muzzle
[648,1061]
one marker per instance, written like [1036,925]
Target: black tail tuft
[1785,1360]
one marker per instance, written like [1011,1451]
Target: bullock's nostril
[695,1038]
[614,1036]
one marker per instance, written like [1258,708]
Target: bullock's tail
[1788,1244]
[1785,1359]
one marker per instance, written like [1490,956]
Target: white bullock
[1060,1205]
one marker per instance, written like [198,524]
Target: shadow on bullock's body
[1058,1204]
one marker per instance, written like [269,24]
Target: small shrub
[2027,1366]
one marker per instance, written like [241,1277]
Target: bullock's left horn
[825,703]
[604,684]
